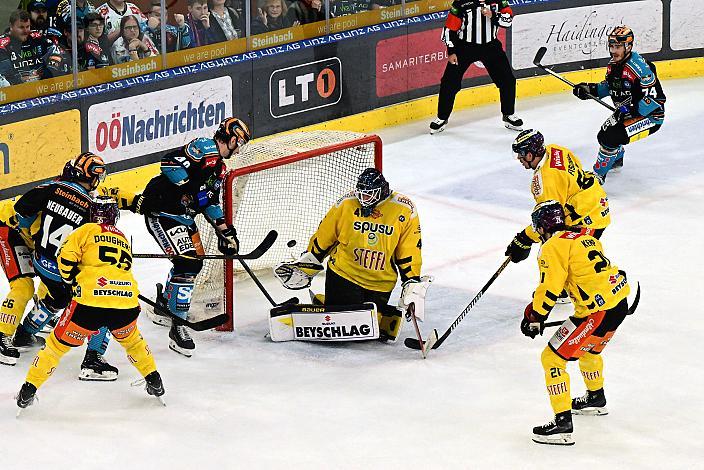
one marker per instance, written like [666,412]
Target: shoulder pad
[557,157]
[344,197]
[638,65]
[403,200]
[199,148]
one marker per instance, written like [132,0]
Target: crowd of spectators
[38,41]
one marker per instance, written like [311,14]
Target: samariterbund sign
[305,87]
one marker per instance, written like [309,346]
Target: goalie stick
[539,57]
[258,252]
[413,343]
[202,325]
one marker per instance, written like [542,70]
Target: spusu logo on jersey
[381,229]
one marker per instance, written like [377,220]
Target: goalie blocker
[324,323]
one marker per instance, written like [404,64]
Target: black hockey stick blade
[539,56]
[256,253]
[430,343]
[207,324]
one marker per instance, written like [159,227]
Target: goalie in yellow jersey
[96,260]
[558,176]
[371,235]
[571,257]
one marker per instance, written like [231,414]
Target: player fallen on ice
[60,206]
[571,257]
[189,184]
[637,94]
[96,261]
[370,237]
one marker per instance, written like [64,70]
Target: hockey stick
[258,252]
[536,61]
[207,324]
[413,343]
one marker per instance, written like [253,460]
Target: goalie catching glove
[300,273]
[413,292]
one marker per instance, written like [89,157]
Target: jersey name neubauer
[370,250]
[97,260]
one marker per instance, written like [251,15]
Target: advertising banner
[686,27]
[158,121]
[580,33]
[305,87]
[38,148]
[414,61]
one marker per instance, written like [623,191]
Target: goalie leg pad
[324,323]
[389,323]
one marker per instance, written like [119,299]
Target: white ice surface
[244,402]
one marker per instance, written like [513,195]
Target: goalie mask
[548,215]
[371,189]
[104,211]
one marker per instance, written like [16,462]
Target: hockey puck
[291,243]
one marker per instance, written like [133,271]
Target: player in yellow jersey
[572,258]
[16,256]
[559,176]
[96,260]
[371,236]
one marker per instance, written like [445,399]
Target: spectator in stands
[50,5]
[58,60]
[177,37]
[306,11]
[113,11]
[21,51]
[97,45]
[132,44]
[38,15]
[83,7]
[198,19]
[272,16]
[225,23]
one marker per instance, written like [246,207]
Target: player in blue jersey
[189,184]
[61,205]
[637,94]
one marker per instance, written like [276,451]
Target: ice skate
[438,125]
[556,432]
[181,341]
[8,353]
[592,403]
[96,368]
[513,122]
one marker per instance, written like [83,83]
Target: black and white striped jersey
[466,23]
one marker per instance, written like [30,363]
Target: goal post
[287,184]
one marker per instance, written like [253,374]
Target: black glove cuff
[523,240]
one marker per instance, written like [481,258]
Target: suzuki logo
[327,317]
[102,282]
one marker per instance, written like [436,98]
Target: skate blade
[175,347]
[436,131]
[161,400]
[88,375]
[8,361]
[564,439]
[157,319]
[19,412]
[593,411]
[512,127]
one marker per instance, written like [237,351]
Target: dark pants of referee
[496,63]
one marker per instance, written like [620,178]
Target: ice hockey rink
[244,402]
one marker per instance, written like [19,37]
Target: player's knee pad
[178,292]
[21,290]
[99,341]
[39,316]
[390,321]
[46,361]
[138,352]
[550,360]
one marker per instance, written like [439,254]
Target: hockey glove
[583,90]
[532,323]
[298,274]
[413,292]
[519,248]
[228,244]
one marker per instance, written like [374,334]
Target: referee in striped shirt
[470,35]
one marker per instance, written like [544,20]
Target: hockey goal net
[286,184]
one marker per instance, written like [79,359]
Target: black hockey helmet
[233,127]
[104,210]
[85,168]
[548,215]
[371,189]
[531,141]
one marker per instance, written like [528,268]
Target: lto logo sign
[305,87]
